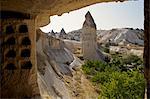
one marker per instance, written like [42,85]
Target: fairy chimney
[88,38]
[62,34]
[52,33]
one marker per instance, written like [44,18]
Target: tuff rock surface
[59,74]
[36,13]
[118,36]
[62,34]
[88,39]
[52,33]
[122,36]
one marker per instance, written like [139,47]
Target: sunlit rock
[88,39]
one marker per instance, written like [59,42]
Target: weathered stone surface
[121,36]
[74,35]
[50,7]
[18,71]
[62,34]
[73,46]
[89,21]
[53,7]
[56,71]
[88,39]
[52,33]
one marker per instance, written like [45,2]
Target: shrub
[106,50]
[114,80]
[123,86]
[129,59]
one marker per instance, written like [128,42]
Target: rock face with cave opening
[23,83]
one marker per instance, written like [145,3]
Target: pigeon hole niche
[25,47]
[14,39]
[26,64]
[25,41]
[11,54]
[10,66]
[15,70]
[9,29]
[10,41]
[23,29]
[25,53]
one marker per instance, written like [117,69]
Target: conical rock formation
[88,38]
[62,34]
[51,33]
[89,21]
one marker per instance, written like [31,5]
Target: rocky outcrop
[74,35]
[89,21]
[88,39]
[119,36]
[72,45]
[59,74]
[62,34]
[52,33]
[122,36]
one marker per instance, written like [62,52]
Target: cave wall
[18,61]
[49,7]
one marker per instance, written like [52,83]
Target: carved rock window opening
[25,53]
[11,41]
[9,29]
[10,66]
[23,29]
[26,65]
[11,54]
[26,41]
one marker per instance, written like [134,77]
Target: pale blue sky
[106,15]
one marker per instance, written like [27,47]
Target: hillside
[116,36]
[121,36]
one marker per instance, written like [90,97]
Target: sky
[106,16]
